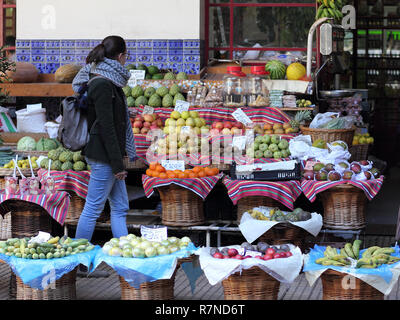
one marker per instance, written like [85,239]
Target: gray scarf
[117,74]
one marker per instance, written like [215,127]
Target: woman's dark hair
[109,48]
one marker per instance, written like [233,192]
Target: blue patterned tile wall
[49,55]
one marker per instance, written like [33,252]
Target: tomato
[268,257]
[270,251]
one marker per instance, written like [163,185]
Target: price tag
[253,253]
[239,142]
[148,110]
[240,116]
[310,165]
[173,165]
[155,233]
[182,106]
[135,76]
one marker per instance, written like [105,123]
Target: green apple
[259,139]
[283,144]
[263,147]
[138,252]
[275,139]
[267,139]
[268,154]
[180,122]
[150,252]
[277,155]
[175,115]
[185,115]
[273,147]
[162,250]
[198,122]
[173,249]
[256,146]
[259,154]
[190,122]
[194,114]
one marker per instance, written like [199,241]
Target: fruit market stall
[31,259]
[182,193]
[251,272]
[146,265]
[349,273]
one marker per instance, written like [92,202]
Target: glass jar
[257,93]
[235,87]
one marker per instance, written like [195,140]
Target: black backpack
[74,131]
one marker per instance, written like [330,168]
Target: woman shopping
[111,136]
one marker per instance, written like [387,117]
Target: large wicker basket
[329,135]
[156,290]
[344,207]
[333,289]
[251,284]
[180,206]
[75,208]
[359,152]
[63,289]
[248,203]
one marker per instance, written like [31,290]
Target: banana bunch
[333,258]
[23,164]
[330,9]
[371,258]
[375,256]
[258,215]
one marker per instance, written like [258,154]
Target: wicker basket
[76,205]
[156,290]
[251,284]
[180,206]
[138,164]
[344,207]
[359,152]
[248,203]
[9,172]
[5,226]
[333,289]
[31,153]
[330,135]
[63,289]
[284,233]
[27,218]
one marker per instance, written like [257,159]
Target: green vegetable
[26,144]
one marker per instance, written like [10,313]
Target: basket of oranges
[180,206]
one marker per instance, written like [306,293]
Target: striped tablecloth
[75,181]
[56,204]
[141,144]
[200,186]
[265,114]
[286,192]
[311,188]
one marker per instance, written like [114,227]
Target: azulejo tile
[175,59]
[82,51]
[24,58]
[53,44]
[19,51]
[68,58]
[175,44]
[161,66]
[191,43]
[38,51]
[191,59]
[67,51]
[37,44]
[144,58]
[53,51]
[140,44]
[130,43]
[175,52]
[94,43]
[176,67]
[160,58]
[131,58]
[67,43]
[160,44]
[52,58]
[192,68]
[80,59]
[51,67]
[23,43]
[38,58]
[41,67]
[144,51]
[191,52]
[160,51]
[82,44]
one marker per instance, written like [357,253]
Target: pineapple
[299,118]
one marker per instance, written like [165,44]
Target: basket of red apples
[226,128]
[142,124]
[252,283]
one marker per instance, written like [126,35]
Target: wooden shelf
[296,109]
[45,89]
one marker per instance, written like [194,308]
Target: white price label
[182,106]
[148,110]
[156,233]
[173,165]
[240,116]
[253,253]
[135,76]
[239,142]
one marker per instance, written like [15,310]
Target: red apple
[268,257]
[232,252]
[247,257]
[159,123]
[139,118]
[288,254]
[308,175]
[226,257]
[258,257]
[214,132]
[219,126]
[138,124]
[228,125]
[270,251]
[355,167]
[277,256]
[148,118]
[144,130]
[218,255]
[147,124]
[153,126]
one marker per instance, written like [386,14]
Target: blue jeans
[102,186]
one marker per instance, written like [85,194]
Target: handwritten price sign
[157,233]
[182,106]
[240,116]
[173,165]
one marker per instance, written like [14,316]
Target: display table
[282,192]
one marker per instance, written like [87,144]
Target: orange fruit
[193,175]
[186,175]
[160,168]
[163,175]
[177,172]
[202,174]
[181,175]
[149,172]
[156,174]
[209,171]
[153,165]
[215,171]
[197,169]
[171,175]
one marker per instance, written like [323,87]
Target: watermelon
[276,69]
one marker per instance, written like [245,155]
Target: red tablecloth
[286,192]
[75,181]
[265,114]
[55,204]
[311,188]
[200,186]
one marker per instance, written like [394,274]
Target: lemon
[370,140]
[362,140]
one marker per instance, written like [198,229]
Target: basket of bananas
[351,257]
